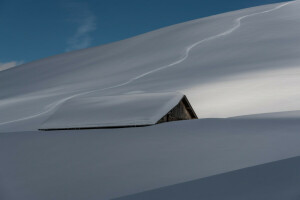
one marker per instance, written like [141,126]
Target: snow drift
[278,180]
[240,64]
[111,163]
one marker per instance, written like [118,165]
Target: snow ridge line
[187,51]
[189,48]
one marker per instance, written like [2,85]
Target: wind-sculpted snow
[278,180]
[149,59]
[106,164]
[244,65]
[275,115]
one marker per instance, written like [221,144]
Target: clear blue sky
[34,29]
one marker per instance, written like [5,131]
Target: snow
[276,181]
[195,58]
[113,111]
[276,115]
[238,65]
[111,163]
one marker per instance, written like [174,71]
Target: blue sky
[34,29]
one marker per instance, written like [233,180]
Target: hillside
[239,63]
[241,69]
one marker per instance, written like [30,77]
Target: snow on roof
[112,111]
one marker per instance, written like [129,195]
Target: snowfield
[106,164]
[260,182]
[241,69]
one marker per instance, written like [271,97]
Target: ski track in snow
[186,55]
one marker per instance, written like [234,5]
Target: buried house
[135,110]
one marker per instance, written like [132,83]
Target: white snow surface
[113,111]
[276,181]
[238,65]
[111,163]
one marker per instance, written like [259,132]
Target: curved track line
[186,55]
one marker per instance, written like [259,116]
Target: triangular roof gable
[113,111]
[189,107]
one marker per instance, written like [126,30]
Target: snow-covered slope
[105,164]
[276,181]
[239,64]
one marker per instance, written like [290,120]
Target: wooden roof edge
[191,109]
[98,127]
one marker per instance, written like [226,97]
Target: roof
[112,111]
